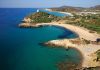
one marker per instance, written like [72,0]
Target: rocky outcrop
[52,44]
[26,20]
[64,43]
[29,25]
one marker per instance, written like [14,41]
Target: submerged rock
[68,66]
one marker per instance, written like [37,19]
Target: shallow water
[20,49]
[55,13]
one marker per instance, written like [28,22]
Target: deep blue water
[20,49]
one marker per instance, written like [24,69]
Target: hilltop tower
[37,10]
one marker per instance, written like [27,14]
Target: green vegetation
[98,55]
[42,17]
[91,22]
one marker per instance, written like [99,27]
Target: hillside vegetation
[91,22]
[98,55]
[42,17]
[76,9]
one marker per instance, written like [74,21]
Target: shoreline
[72,32]
[82,32]
[61,12]
[76,65]
[85,49]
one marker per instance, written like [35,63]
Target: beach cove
[83,33]
[87,50]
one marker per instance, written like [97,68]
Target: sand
[60,12]
[83,33]
[86,49]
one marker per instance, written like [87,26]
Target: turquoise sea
[20,49]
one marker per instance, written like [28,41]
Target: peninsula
[88,42]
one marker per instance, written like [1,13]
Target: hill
[41,17]
[75,9]
[66,8]
[97,7]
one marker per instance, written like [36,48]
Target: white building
[86,13]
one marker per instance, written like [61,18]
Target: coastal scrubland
[98,55]
[42,17]
[91,22]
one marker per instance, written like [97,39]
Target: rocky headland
[86,43]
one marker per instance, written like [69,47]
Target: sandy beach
[87,50]
[82,32]
[60,12]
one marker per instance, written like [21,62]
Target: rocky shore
[86,43]
[27,25]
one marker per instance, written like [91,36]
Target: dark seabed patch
[71,64]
